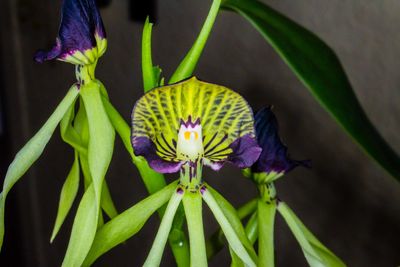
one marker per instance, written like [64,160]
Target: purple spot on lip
[179,191]
[203,189]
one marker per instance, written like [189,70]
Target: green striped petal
[193,120]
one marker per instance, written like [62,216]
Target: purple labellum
[274,157]
[81,36]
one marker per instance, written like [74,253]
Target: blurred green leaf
[316,253]
[67,196]
[188,64]
[266,221]
[227,218]
[251,228]
[32,151]
[127,223]
[319,69]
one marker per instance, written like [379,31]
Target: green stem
[192,203]
[186,67]
[154,257]
[266,218]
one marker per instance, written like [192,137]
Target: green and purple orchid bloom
[191,123]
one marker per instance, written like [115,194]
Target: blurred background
[346,200]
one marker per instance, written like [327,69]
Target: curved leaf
[32,151]
[127,223]
[67,196]
[319,69]
[316,253]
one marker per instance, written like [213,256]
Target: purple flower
[81,39]
[274,160]
[183,126]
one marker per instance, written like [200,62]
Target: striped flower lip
[191,123]
[274,160]
[81,39]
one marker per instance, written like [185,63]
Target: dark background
[347,201]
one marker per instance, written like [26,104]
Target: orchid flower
[81,39]
[180,128]
[184,126]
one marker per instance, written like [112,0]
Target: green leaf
[67,196]
[151,74]
[32,151]
[231,226]
[319,69]
[186,67]
[100,149]
[316,253]
[68,132]
[216,242]
[192,203]
[102,134]
[157,249]
[251,228]
[83,229]
[127,224]
[266,220]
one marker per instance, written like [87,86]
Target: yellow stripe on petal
[224,117]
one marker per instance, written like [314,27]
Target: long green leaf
[316,253]
[192,203]
[266,221]
[216,242]
[100,149]
[230,224]
[127,224]
[67,196]
[157,249]
[188,64]
[251,228]
[83,229]
[319,69]
[32,151]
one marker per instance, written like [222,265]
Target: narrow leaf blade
[67,196]
[316,253]
[319,69]
[127,223]
[32,151]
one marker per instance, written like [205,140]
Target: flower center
[190,149]
[190,141]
